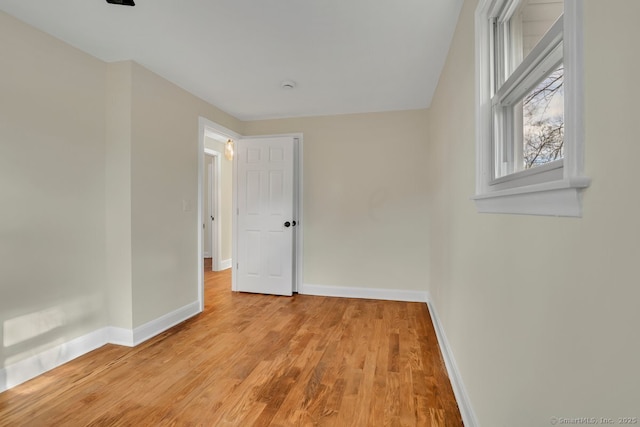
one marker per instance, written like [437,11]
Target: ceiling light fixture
[228,149]
[122,2]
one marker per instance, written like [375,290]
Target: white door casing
[207,128]
[213,227]
[214,219]
[265,210]
[206,243]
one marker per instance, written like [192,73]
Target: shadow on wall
[36,342]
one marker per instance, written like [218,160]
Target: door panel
[265,204]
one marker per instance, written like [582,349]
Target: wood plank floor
[255,360]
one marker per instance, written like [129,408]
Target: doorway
[215,200]
[211,224]
[210,130]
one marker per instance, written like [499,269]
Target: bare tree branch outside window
[543,121]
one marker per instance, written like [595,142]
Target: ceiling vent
[122,2]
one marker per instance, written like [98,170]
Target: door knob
[287,224]
[294,223]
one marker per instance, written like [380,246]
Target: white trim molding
[226,264]
[363,293]
[460,392]
[215,178]
[39,363]
[553,193]
[462,398]
[162,323]
[556,198]
[119,336]
[210,129]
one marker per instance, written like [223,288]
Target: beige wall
[118,195]
[98,182]
[164,184]
[365,200]
[542,312]
[152,182]
[226,197]
[52,192]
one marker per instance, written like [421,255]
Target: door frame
[214,201]
[298,248]
[206,126]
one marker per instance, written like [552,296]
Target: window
[529,113]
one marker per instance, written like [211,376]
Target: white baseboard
[119,336]
[225,264]
[24,370]
[38,364]
[161,324]
[462,398]
[464,404]
[363,293]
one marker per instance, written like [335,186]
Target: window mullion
[542,59]
[509,131]
[518,138]
[494,70]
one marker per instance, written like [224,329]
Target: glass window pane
[529,24]
[543,121]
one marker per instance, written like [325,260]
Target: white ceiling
[346,56]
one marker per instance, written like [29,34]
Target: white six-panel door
[265,215]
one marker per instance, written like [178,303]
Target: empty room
[340,213]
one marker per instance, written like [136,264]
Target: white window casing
[554,188]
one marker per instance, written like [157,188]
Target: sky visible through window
[543,121]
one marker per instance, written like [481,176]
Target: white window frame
[556,188]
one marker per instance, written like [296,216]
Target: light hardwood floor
[255,360]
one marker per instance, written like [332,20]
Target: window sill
[555,198]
